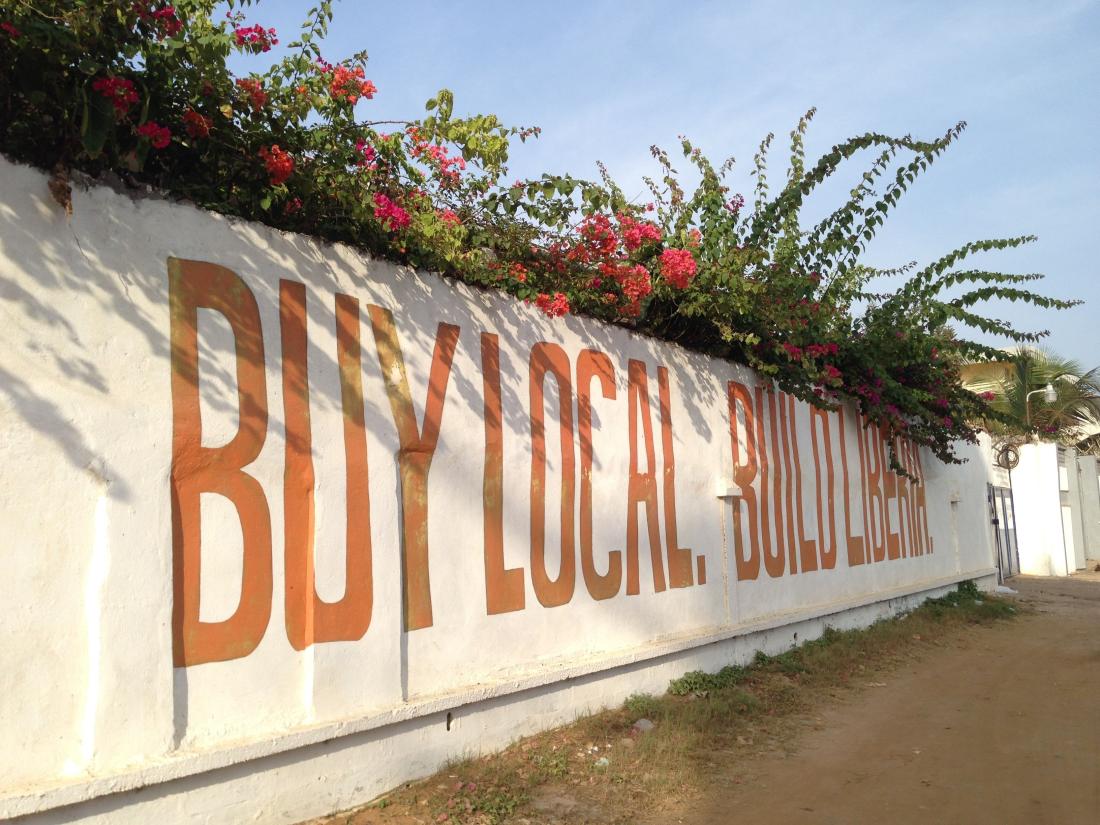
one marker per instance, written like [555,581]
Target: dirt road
[1002,726]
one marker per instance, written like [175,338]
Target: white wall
[142,503]
[1040,526]
[1088,470]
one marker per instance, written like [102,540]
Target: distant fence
[274,509]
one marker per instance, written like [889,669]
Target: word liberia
[761,460]
[768,418]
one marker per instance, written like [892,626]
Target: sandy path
[1002,726]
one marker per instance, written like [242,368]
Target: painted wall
[262,494]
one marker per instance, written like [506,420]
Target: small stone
[603,762]
[643,726]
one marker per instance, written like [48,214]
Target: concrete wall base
[349,770]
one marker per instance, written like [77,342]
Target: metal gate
[1003,516]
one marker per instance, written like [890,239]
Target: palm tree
[1072,418]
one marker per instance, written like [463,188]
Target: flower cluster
[678,267]
[163,21]
[279,164]
[348,85]
[368,156]
[197,125]
[389,214]
[450,167]
[634,281]
[704,268]
[253,88]
[158,136]
[255,39]
[119,91]
[819,350]
[597,239]
[635,233]
[554,305]
[735,204]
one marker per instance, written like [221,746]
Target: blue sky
[607,79]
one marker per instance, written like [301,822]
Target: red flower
[293,205]
[832,373]
[555,306]
[119,91]
[159,136]
[255,39]
[279,164]
[678,267]
[392,216]
[519,272]
[163,21]
[450,217]
[255,90]
[793,352]
[987,395]
[350,84]
[10,31]
[197,125]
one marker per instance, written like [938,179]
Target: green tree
[1074,415]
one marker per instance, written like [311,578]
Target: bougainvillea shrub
[143,90]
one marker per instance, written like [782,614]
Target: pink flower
[368,153]
[392,217]
[597,240]
[449,167]
[793,352]
[987,395]
[159,136]
[678,267]
[119,91]
[832,373]
[635,234]
[256,39]
[163,22]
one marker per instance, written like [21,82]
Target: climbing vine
[143,91]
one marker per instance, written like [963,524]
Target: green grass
[702,722]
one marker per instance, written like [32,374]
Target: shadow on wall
[90,259]
[59,374]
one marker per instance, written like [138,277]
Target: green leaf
[97,125]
